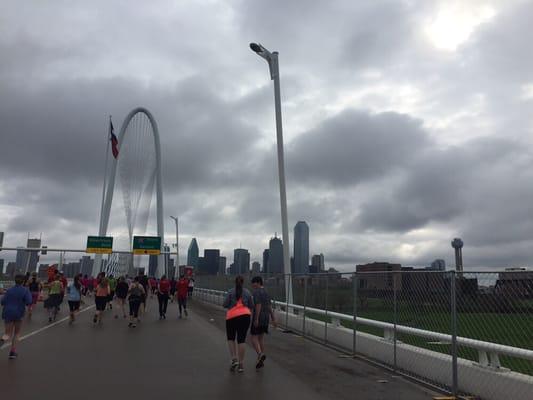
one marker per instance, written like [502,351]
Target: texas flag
[114,140]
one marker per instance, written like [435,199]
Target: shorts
[34,297]
[53,300]
[100,302]
[74,305]
[135,304]
[238,327]
[12,317]
[122,296]
[259,330]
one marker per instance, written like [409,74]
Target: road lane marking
[8,343]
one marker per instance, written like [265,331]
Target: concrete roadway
[175,358]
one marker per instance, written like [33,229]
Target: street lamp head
[257,47]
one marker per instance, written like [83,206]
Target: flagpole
[108,139]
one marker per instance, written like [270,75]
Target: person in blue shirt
[74,297]
[14,305]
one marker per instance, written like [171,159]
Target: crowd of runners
[128,294]
[246,311]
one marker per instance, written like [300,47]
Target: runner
[136,295]
[122,293]
[143,280]
[191,286]
[74,297]
[100,299]
[153,286]
[163,290]
[112,288]
[261,316]
[64,282]
[182,290]
[173,284]
[14,304]
[239,303]
[54,298]
[35,287]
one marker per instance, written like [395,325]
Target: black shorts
[73,305]
[237,327]
[100,302]
[259,330]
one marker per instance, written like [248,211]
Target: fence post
[395,306]
[355,282]
[453,304]
[305,305]
[326,308]
[287,287]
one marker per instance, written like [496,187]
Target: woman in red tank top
[239,303]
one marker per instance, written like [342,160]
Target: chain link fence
[466,333]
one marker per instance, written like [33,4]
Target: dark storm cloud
[355,146]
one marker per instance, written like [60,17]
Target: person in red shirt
[181,293]
[163,291]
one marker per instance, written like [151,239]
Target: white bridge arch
[104,217]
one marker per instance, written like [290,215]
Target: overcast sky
[406,123]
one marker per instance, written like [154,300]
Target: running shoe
[49,319]
[186,313]
[130,324]
[95,319]
[241,368]
[134,326]
[12,355]
[260,361]
[234,365]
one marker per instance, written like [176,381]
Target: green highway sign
[99,244]
[147,245]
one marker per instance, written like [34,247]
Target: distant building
[222,265]
[379,276]
[256,267]
[275,256]
[301,247]
[437,265]
[266,254]
[27,260]
[152,264]
[193,254]
[211,261]
[86,265]
[11,269]
[516,282]
[241,261]
[201,266]
[317,261]
[42,271]
[1,266]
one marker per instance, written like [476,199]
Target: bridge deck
[181,358]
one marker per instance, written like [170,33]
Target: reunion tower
[457,244]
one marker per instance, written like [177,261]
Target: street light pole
[176,270]
[272,59]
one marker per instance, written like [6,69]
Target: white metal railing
[488,352]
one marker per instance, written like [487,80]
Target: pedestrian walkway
[184,358]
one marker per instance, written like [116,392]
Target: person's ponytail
[239,281]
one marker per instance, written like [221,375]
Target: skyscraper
[193,254]
[222,265]
[211,261]
[301,247]
[317,261]
[241,261]
[266,254]
[275,256]
[27,260]
[256,267]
